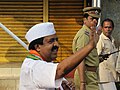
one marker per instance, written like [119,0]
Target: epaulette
[87,33]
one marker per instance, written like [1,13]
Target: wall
[111,9]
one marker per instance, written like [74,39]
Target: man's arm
[82,41]
[100,46]
[81,72]
[74,60]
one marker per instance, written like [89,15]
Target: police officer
[86,75]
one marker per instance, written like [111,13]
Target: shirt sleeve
[43,75]
[81,41]
[99,47]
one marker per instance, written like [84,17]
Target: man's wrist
[82,82]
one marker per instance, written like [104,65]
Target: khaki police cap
[92,11]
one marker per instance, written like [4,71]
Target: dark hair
[34,42]
[85,15]
[107,20]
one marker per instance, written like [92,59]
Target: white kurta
[107,72]
[38,75]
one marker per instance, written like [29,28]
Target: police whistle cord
[105,56]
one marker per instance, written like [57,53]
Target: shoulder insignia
[87,33]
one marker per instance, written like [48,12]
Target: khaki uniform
[80,40]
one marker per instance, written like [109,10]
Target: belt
[91,68]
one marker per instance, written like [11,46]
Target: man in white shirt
[38,72]
[106,45]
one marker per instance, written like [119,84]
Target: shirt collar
[105,37]
[86,28]
[36,54]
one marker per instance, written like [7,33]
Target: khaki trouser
[91,80]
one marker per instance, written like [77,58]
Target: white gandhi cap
[40,30]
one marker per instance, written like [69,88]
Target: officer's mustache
[54,48]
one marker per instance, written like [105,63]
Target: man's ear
[84,20]
[37,47]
